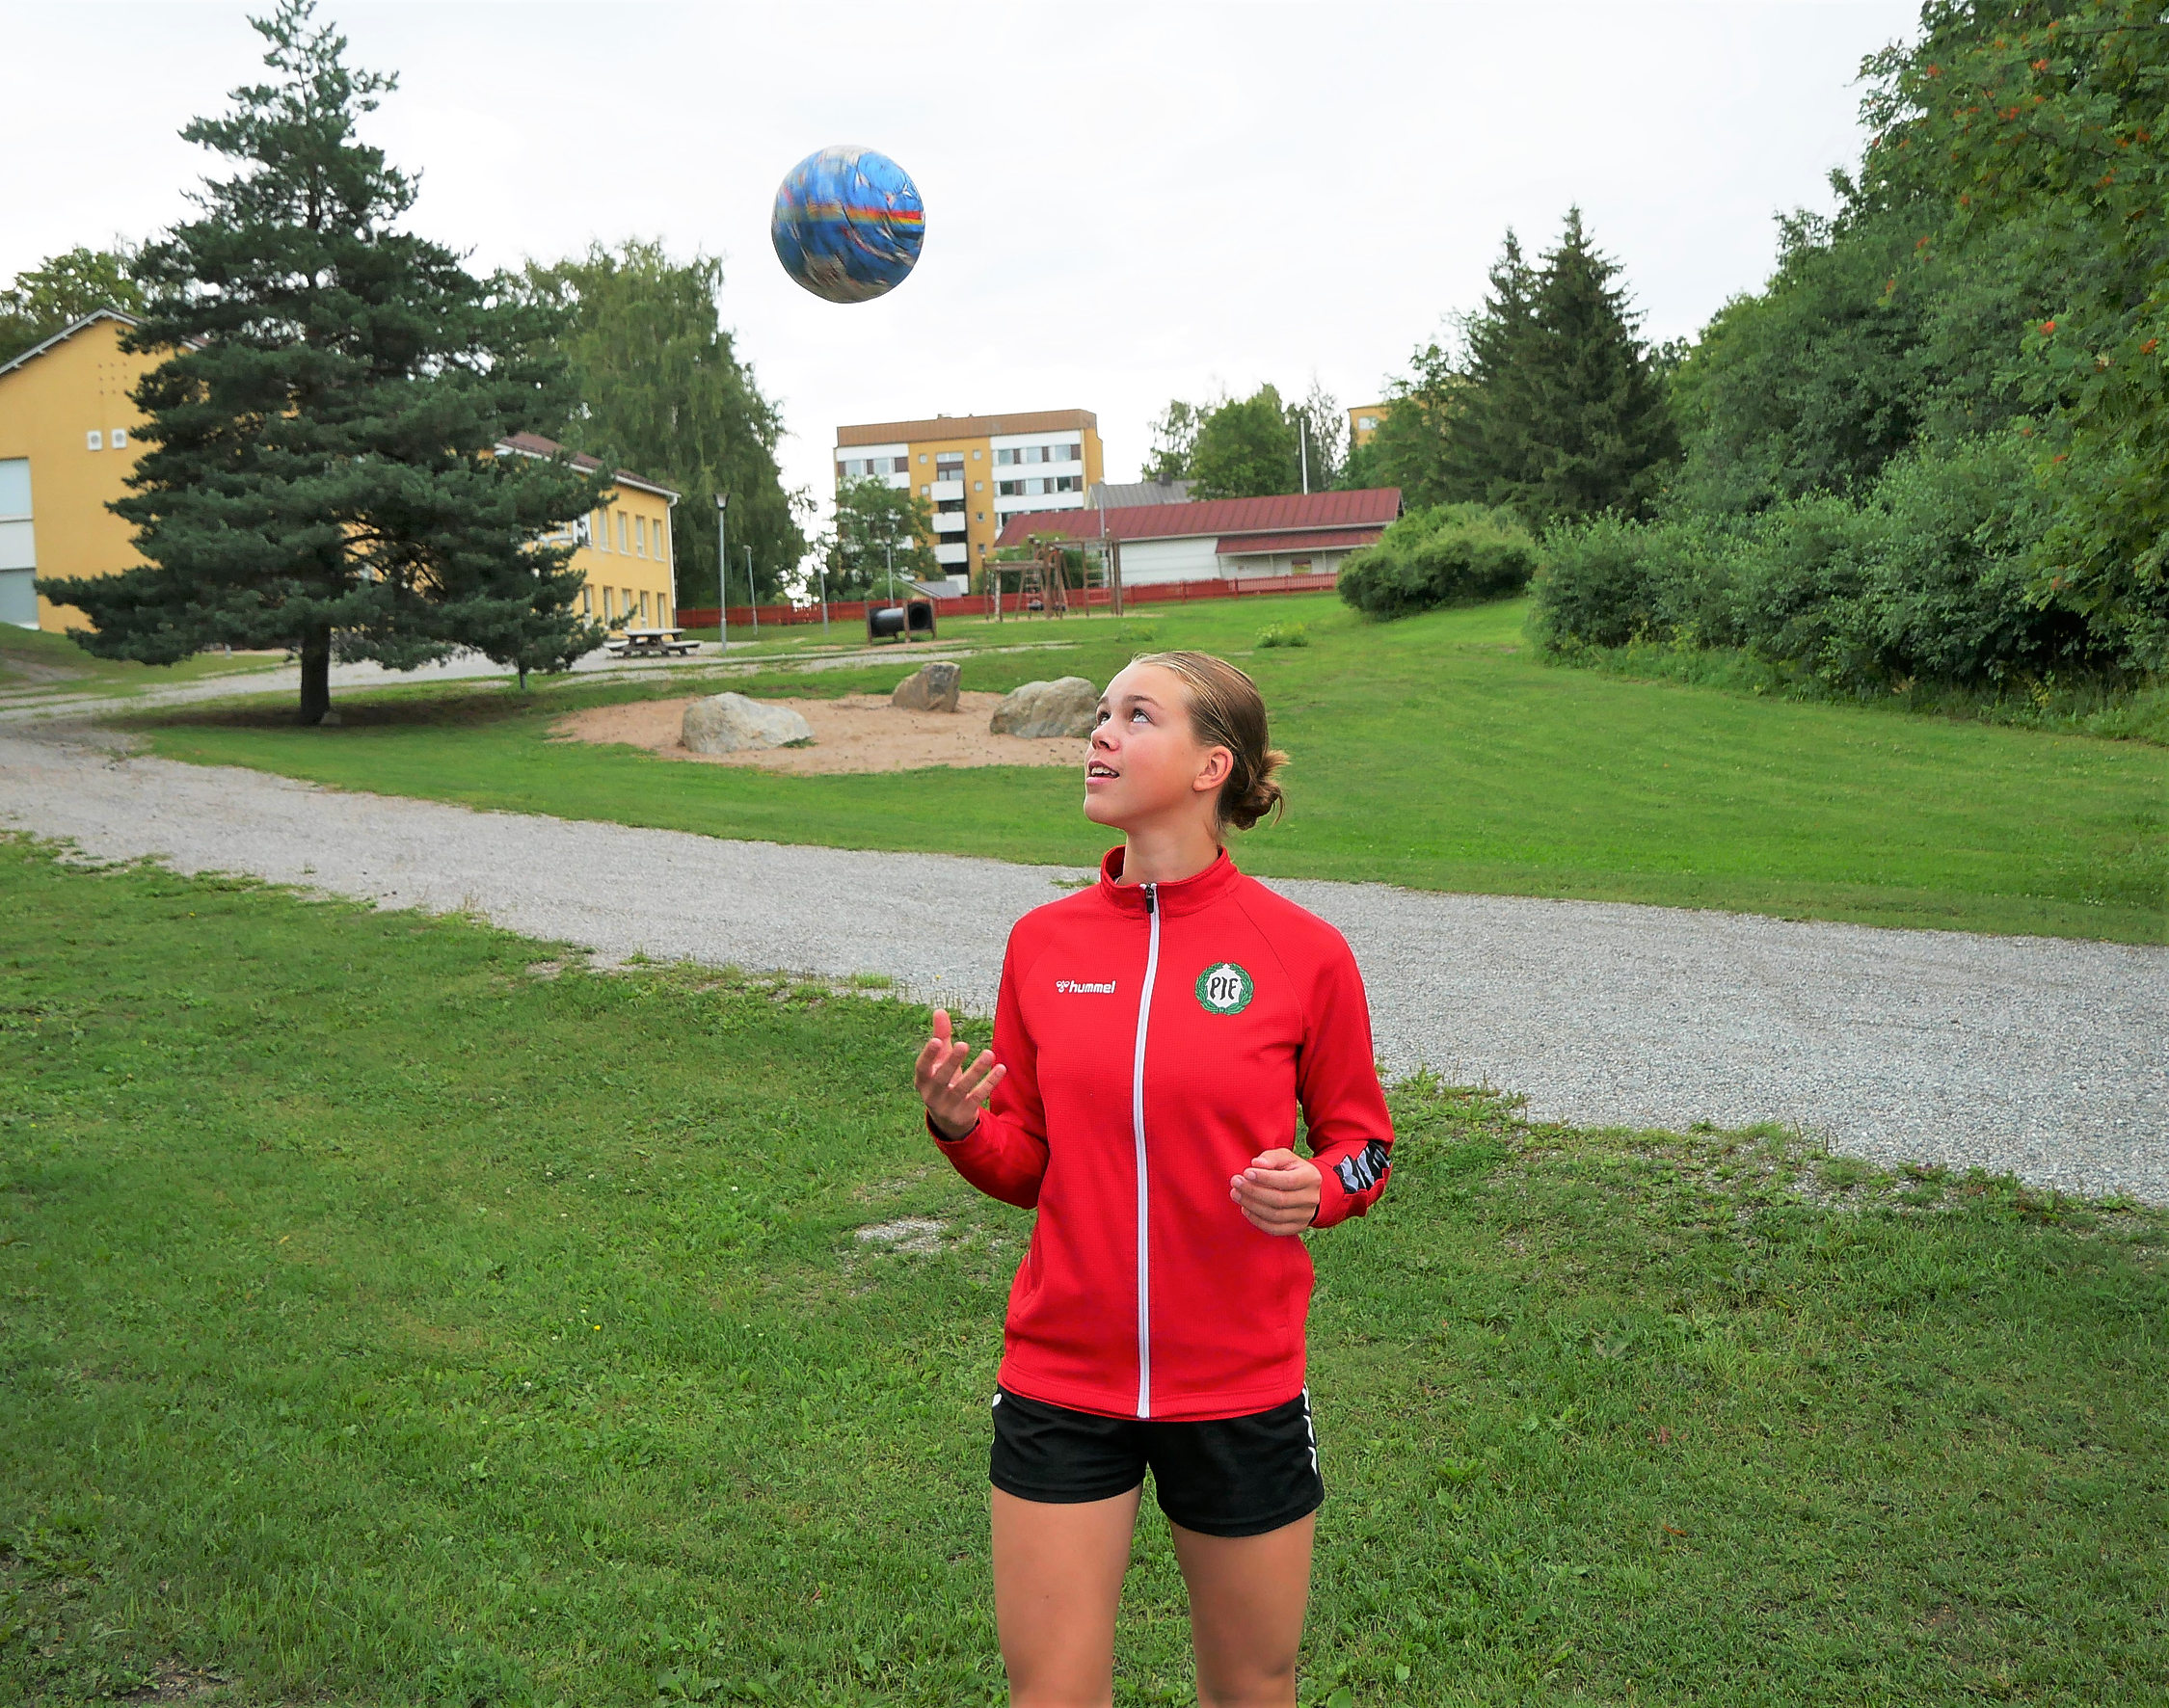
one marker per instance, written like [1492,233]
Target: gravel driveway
[2043,1058]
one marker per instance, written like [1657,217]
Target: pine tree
[1597,432]
[322,473]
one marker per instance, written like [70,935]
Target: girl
[1153,1040]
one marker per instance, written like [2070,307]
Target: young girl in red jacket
[1153,1041]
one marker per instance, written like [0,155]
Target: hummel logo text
[1080,987]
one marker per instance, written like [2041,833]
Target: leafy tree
[1174,437]
[2039,131]
[322,472]
[1409,449]
[662,391]
[59,291]
[1246,449]
[877,525]
[1253,446]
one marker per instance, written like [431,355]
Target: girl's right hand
[954,1093]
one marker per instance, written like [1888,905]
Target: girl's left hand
[1279,1192]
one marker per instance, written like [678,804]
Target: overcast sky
[1124,203]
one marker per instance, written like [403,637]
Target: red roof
[1286,513]
[534,444]
[1319,539]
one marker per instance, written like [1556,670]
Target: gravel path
[2043,1058]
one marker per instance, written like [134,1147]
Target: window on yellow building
[93,440]
[662,542]
[639,536]
[587,603]
[119,439]
[643,610]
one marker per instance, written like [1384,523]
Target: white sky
[1124,203]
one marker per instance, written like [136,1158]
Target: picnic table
[652,643]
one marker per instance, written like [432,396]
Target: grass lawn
[1436,752]
[391,1317]
[33,661]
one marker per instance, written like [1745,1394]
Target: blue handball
[849,225]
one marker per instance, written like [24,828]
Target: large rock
[932,687]
[729,723]
[1062,707]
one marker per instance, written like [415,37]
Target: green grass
[33,661]
[393,1311]
[1437,752]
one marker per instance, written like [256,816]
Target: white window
[1005,457]
[93,440]
[119,439]
[623,523]
[640,538]
[975,456]
[899,464]
[662,540]
[587,601]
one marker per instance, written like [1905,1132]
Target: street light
[722,577]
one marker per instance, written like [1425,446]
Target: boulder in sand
[728,723]
[1065,706]
[932,687]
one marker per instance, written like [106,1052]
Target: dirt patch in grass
[858,733]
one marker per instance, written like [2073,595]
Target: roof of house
[1315,540]
[1288,513]
[534,444]
[65,333]
[964,427]
[1129,495]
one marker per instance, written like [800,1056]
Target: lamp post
[752,593]
[820,567]
[722,576]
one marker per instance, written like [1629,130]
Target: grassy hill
[1436,752]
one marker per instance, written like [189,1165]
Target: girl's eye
[1100,717]
[1139,716]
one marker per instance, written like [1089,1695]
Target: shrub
[1928,581]
[1284,634]
[1447,554]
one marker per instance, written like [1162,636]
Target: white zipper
[1138,1127]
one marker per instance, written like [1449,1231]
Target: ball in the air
[847,224]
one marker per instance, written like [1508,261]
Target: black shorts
[1224,1477]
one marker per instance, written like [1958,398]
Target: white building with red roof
[1291,534]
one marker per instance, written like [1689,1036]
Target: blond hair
[1227,711]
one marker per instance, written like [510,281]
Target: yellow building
[1363,421]
[67,435]
[68,442]
[978,470]
[625,550]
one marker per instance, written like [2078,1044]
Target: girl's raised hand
[953,1092]
[1279,1192]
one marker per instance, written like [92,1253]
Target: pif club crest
[1225,988]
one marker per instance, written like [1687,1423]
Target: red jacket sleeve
[1006,1155]
[1350,1133]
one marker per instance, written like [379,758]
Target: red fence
[980,605]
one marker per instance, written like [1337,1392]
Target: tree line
[321,469]
[1931,453]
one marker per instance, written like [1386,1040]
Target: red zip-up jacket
[1157,1037]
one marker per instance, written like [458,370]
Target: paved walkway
[2044,1058]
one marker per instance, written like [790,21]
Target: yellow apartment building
[978,470]
[624,549]
[1363,421]
[67,435]
[68,442]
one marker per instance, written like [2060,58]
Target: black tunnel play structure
[891,622]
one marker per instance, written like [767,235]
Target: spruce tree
[1596,434]
[1482,414]
[322,473]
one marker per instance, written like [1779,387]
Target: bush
[1928,581]
[1447,554]
[1284,634]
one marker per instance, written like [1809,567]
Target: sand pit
[855,734]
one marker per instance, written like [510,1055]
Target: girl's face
[1147,764]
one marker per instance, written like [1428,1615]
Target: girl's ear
[1218,766]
